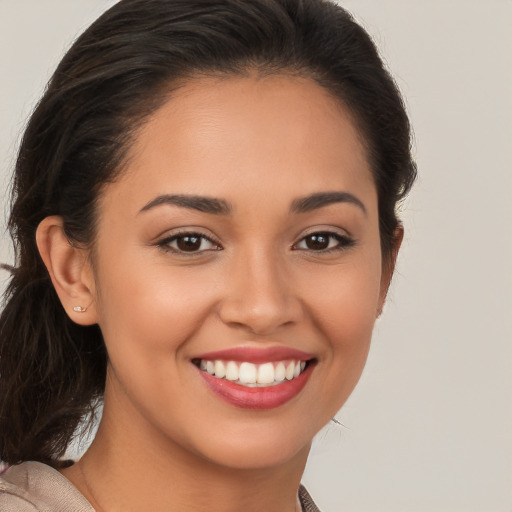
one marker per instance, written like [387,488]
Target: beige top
[36,487]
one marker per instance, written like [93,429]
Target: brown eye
[324,241]
[189,243]
[317,242]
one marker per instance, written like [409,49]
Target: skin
[259,144]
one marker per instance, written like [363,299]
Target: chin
[256,443]
[248,455]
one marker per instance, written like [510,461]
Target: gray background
[429,427]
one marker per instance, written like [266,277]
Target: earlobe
[69,271]
[388,267]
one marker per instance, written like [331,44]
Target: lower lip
[257,398]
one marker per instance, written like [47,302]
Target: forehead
[221,136]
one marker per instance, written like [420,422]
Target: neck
[125,471]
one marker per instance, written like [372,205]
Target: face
[237,271]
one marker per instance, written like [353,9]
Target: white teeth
[231,371]
[220,369]
[280,372]
[290,370]
[266,373]
[250,374]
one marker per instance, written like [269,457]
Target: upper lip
[257,355]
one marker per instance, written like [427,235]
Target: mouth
[245,373]
[256,378]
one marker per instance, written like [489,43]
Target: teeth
[220,369]
[266,373]
[248,373]
[231,371]
[254,375]
[280,372]
[290,370]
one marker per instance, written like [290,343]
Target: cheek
[148,315]
[347,323]
[343,304]
[346,300]
[153,308]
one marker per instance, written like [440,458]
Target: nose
[260,295]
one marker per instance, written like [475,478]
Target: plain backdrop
[429,427]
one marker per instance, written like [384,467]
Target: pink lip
[256,355]
[257,398]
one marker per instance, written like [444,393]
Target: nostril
[262,319]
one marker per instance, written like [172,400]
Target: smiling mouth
[253,375]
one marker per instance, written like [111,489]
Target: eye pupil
[189,243]
[317,242]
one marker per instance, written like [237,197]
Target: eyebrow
[222,207]
[321,199]
[200,203]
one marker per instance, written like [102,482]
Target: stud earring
[79,309]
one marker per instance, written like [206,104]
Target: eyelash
[165,244]
[343,242]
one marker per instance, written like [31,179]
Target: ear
[388,267]
[69,270]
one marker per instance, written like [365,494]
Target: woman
[205,217]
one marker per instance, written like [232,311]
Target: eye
[189,243]
[324,241]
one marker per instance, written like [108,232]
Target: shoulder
[308,505]
[36,487]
